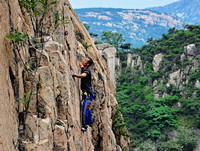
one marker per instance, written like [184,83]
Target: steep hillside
[40,44]
[135,25]
[158,91]
[186,9]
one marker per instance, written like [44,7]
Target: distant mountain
[186,9]
[135,25]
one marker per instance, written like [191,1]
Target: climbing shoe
[83,129]
[90,124]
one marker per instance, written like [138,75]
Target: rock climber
[86,87]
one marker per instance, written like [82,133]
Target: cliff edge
[40,102]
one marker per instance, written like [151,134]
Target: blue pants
[86,112]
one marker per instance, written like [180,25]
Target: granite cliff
[50,118]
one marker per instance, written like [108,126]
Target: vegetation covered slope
[135,25]
[155,103]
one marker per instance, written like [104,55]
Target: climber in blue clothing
[86,87]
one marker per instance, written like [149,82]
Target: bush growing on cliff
[87,26]
[18,38]
[119,126]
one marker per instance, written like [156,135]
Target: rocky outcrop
[108,52]
[53,119]
[156,62]
[134,61]
[191,57]
[174,78]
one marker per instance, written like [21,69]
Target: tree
[94,35]
[126,46]
[87,26]
[113,38]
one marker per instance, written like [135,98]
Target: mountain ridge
[186,9]
[136,25]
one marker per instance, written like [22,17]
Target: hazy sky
[119,3]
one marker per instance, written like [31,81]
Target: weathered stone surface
[197,84]
[139,63]
[175,78]
[8,79]
[117,61]
[156,61]
[60,138]
[197,131]
[190,49]
[109,54]
[129,59]
[53,119]
[103,46]
[134,61]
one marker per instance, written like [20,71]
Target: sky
[129,4]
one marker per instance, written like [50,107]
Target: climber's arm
[80,64]
[79,75]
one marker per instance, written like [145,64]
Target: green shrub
[149,118]
[187,139]
[169,146]
[147,145]
[18,38]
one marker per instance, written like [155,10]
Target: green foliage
[37,7]
[160,117]
[171,45]
[94,35]
[87,26]
[169,146]
[27,98]
[124,149]
[191,109]
[126,46]
[143,80]
[86,45]
[194,75]
[147,145]
[119,126]
[112,38]
[185,63]
[57,17]
[151,119]
[97,42]
[124,63]
[17,38]
[187,139]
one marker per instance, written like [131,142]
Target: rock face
[156,61]
[174,78]
[191,54]
[109,53]
[134,61]
[53,119]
